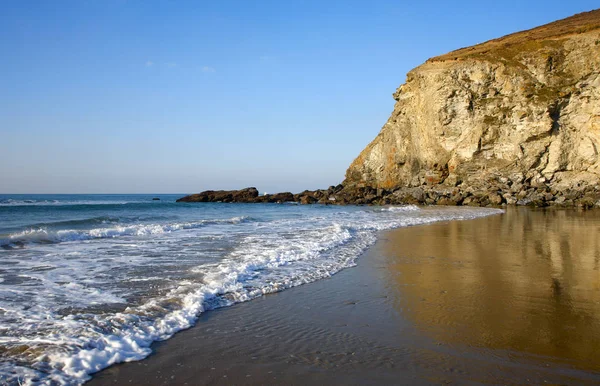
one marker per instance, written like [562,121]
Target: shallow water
[88,281]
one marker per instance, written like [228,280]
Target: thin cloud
[208,69]
[171,64]
[149,63]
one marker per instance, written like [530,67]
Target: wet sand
[507,299]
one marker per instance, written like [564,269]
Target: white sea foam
[204,265]
[44,235]
[409,208]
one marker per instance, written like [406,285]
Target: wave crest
[406,208]
[42,235]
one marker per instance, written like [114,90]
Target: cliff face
[519,112]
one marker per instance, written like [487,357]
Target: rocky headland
[514,121]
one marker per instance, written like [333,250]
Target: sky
[116,96]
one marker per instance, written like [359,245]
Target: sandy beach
[506,299]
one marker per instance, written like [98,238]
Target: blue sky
[181,96]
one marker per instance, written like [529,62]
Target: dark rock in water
[307,199]
[243,195]
[250,195]
[261,199]
[155,199]
[280,197]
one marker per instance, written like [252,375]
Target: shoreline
[451,309]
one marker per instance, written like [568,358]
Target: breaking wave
[42,235]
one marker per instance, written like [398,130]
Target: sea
[87,281]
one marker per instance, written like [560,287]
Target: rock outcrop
[250,195]
[243,195]
[515,120]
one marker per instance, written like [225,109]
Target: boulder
[243,195]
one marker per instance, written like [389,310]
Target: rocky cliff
[512,120]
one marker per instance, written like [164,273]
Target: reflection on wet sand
[526,281]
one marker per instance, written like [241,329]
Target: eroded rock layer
[512,120]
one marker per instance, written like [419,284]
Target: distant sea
[87,281]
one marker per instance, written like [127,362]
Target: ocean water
[87,281]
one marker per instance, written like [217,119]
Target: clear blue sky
[123,96]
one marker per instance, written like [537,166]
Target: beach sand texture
[506,299]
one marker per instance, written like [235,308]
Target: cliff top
[576,24]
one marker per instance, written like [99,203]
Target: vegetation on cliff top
[533,39]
